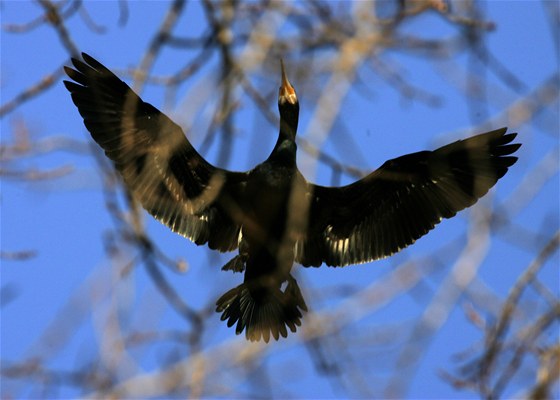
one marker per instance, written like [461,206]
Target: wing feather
[159,165]
[401,201]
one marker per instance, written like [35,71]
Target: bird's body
[268,239]
[271,214]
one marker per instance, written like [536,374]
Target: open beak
[286,93]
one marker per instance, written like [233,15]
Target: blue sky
[62,298]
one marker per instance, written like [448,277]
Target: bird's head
[288,104]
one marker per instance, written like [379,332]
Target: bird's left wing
[401,201]
[159,165]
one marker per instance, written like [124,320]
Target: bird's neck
[285,149]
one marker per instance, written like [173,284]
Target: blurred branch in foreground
[159,341]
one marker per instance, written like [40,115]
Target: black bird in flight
[272,214]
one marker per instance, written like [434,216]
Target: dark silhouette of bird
[272,214]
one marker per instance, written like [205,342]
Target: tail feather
[263,311]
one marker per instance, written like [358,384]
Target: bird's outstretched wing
[159,165]
[404,199]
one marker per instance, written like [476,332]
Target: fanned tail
[262,310]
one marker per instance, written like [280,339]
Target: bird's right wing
[402,200]
[159,165]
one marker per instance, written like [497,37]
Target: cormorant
[272,214]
